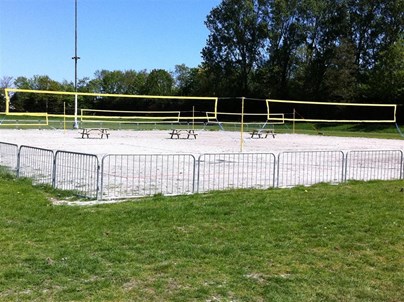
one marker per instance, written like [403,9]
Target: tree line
[307,49]
[322,50]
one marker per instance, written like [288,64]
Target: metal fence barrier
[9,156]
[309,167]
[374,164]
[78,172]
[235,170]
[36,163]
[134,175]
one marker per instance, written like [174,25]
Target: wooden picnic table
[262,133]
[85,132]
[177,133]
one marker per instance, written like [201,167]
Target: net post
[395,113]
[7,101]
[75,124]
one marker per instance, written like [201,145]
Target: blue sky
[37,36]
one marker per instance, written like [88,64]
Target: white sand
[158,142]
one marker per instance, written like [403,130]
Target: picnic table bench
[262,133]
[177,133]
[85,132]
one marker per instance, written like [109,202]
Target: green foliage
[191,81]
[38,102]
[387,78]
[320,243]
[339,78]
[119,82]
[159,82]
[234,46]
[311,49]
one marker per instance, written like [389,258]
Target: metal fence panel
[36,163]
[135,175]
[77,172]
[310,167]
[9,156]
[235,170]
[374,164]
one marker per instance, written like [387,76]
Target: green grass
[387,131]
[320,243]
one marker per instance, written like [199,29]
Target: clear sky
[37,36]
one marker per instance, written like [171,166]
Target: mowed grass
[320,243]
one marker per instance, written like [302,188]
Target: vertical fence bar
[78,172]
[36,163]
[402,168]
[136,175]
[310,167]
[374,165]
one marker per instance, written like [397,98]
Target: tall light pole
[75,58]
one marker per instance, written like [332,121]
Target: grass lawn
[320,243]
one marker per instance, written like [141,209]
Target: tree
[183,79]
[159,82]
[285,35]
[375,25]
[234,46]
[5,82]
[33,102]
[324,25]
[116,82]
[339,81]
[191,81]
[376,29]
[387,78]
[109,82]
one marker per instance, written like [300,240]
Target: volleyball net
[273,112]
[39,108]
[106,108]
[126,116]
[332,112]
